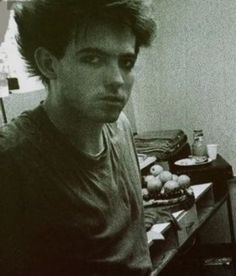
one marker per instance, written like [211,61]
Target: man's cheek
[130,83]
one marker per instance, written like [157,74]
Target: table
[219,172]
[208,202]
[162,252]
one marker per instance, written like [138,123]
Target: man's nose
[114,77]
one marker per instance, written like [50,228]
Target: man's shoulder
[123,122]
[15,134]
[121,130]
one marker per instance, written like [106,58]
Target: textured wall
[188,78]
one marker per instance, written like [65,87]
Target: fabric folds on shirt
[65,213]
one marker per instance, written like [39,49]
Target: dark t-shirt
[65,213]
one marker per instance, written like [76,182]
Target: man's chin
[110,117]
[112,120]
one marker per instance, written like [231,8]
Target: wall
[188,78]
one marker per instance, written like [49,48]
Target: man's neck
[85,135]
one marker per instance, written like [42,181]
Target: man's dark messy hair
[52,23]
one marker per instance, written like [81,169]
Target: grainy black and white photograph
[117,137]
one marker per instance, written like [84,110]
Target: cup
[212,151]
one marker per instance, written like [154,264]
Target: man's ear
[46,62]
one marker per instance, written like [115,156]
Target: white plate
[191,162]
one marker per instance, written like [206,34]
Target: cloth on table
[156,214]
[161,143]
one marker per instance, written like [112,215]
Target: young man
[70,200]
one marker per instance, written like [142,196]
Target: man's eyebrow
[91,50]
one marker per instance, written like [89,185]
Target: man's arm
[12,244]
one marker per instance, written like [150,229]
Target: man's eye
[127,63]
[94,60]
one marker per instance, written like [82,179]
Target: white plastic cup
[212,151]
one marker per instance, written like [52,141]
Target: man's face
[95,75]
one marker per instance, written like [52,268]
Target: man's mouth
[114,99]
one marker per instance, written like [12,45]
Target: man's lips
[114,99]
